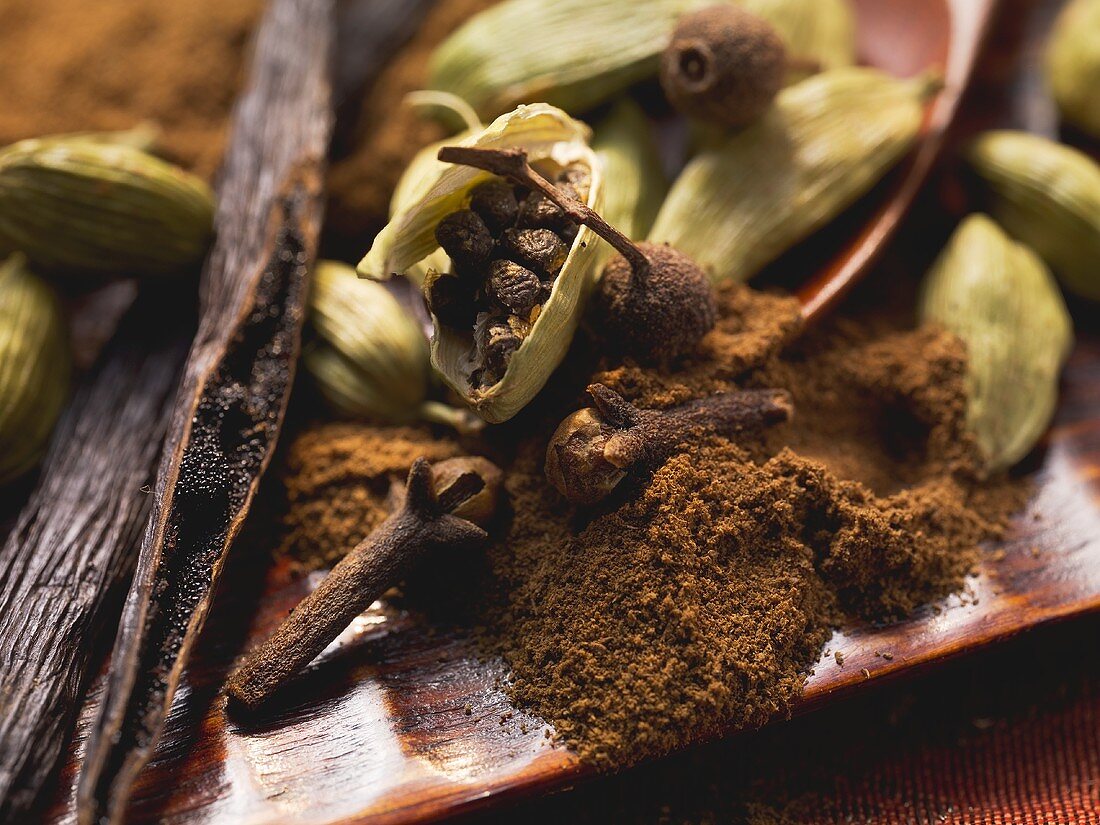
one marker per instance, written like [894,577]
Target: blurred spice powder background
[1008,736]
[68,66]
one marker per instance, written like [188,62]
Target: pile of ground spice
[337,481]
[694,601]
[70,66]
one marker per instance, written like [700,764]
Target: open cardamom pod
[103,206]
[624,144]
[370,358]
[825,142]
[34,366]
[1073,64]
[1047,195]
[578,53]
[999,297]
[496,345]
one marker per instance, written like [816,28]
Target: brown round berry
[724,65]
[661,314]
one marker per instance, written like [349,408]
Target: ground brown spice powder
[695,602]
[70,65]
[337,481]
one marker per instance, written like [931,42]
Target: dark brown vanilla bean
[425,522]
[234,391]
[76,539]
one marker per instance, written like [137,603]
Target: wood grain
[401,722]
[234,390]
[74,545]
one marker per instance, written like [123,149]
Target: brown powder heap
[693,602]
[338,479]
[70,65]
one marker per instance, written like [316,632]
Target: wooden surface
[401,722]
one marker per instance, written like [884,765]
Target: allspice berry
[724,65]
[659,313]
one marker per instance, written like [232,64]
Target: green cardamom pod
[1073,64]
[576,54]
[34,367]
[408,246]
[1001,300]
[826,141]
[86,205]
[1048,196]
[370,358]
[624,143]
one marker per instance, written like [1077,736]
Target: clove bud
[444,508]
[595,448]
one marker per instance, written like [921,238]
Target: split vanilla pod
[102,205]
[1047,195]
[532,345]
[1002,301]
[825,142]
[576,54]
[34,366]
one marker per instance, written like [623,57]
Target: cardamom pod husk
[370,358]
[143,136]
[408,244]
[94,205]
[825,142]
[1073,64]
[576,54]
[1002,301]
[1047,195]
[34,367]
[624,143]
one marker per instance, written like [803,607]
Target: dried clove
[724,65]
[595,448]
[444,508]
[654,301]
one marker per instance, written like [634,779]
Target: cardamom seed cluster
[507,249]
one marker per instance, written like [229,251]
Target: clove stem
[424,523]
[512,165]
